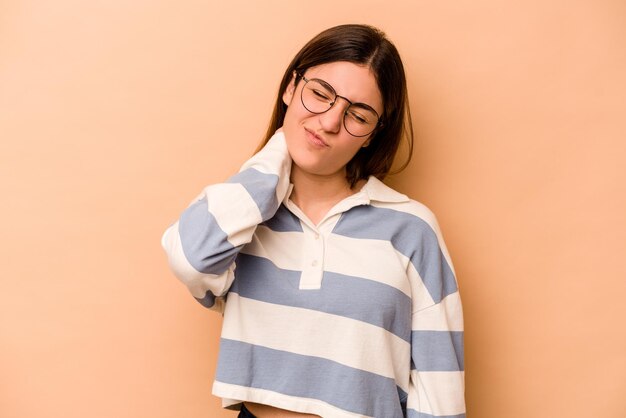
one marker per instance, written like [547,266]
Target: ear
[366,143]
[290,90]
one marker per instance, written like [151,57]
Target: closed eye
[357,117]
[322,95]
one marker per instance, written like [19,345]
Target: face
[319,143]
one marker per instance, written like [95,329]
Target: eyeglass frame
[378,124]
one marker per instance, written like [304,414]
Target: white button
[317,236]
[314,263]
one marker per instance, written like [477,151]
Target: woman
[338,294]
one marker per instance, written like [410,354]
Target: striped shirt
[357,316]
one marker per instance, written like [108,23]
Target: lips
[315,139]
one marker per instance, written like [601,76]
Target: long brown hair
[363,45]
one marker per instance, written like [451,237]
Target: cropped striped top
[357,316]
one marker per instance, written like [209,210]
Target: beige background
[114,114]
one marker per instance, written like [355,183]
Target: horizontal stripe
[353,257]
[412,413]
[204,243]
[420,210]
[447,315]
[262,189]
[234,210]
[351,297]
[420,295]
[437,350]
[284,221]
[353,390]
[437,393]
[342,340]
[233,394]
[284,249]
[411,236]
[198,283]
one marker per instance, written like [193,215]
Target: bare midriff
[266,411]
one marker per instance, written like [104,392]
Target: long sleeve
[436,387]
[202,245]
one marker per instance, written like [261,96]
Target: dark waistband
[244,413]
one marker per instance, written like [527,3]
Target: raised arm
[202,245]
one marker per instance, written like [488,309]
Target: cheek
[291,116]
[289,127]
[351,151]
[352,144]
[293,122]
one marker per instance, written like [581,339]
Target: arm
[436,387]
[202,245]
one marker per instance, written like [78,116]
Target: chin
[312,162]
[318,169]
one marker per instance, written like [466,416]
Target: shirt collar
[377,191]
[374,190]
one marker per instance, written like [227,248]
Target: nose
[332,119]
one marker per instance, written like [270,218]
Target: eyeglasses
[318,96]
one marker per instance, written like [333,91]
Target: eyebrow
[326,84]
[364,106]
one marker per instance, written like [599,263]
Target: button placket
[313,268]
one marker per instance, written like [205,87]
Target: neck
[315,194]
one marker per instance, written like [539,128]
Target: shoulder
[398,205]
